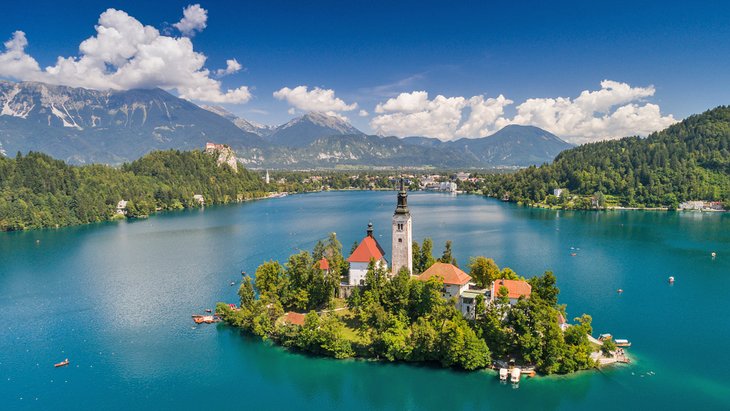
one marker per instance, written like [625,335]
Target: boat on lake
[207,319]
[622,342]
[515,376]
[62,363]
[503,373]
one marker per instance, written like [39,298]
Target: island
[415,309]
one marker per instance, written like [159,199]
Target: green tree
[270,279]
[246,292]
[426,259]
[483,270]
[447,256]
[544,288]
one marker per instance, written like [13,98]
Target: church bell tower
[402,255]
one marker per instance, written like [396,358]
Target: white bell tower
[402,255]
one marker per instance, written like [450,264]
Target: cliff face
[225,154]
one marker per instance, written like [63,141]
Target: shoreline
[602,363]
[612,208]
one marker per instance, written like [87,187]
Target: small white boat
[515,376]
[622,343]
[671,279]
[714,254]
[503,373]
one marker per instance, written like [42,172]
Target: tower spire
[402,207]
[402,239]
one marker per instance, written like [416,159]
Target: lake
[116,299]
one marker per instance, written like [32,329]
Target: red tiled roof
[516,288]
[450,273]
[294,318]
[324,264]
[368,249]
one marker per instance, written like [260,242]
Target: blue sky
[674,56]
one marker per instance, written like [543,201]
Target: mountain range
[89,126]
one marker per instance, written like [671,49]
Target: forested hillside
[688,161]
[38,191]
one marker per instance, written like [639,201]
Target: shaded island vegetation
[37,191]
[402,318]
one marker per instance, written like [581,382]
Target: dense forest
[38,191]
[688,161]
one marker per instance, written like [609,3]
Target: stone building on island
[359,260]
[457,284]
[402,238]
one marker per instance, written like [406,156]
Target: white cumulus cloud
[195,19]
[14,62]
[125,54]
[446,118]
[363,113]
[616,110]
[232,67]
[316,99]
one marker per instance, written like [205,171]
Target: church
[457,283]
[369,248]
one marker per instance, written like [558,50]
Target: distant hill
[303,130]
[85,126]
[248,126]
[687,161]
[513,146]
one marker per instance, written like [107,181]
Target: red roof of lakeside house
[367,250]
[324,264]
[516,288]
[294,318]
[449,273]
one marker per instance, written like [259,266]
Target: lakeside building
[457,285]
[701,205]
[455,280]
[323,265]
[359,260]
[515,290]
[122,207]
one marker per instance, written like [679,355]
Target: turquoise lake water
[116,299]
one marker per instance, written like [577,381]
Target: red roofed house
[369,249]
[294,318]
[515,289]
[457,284]
[562,323]
[455,280]
[323,265]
